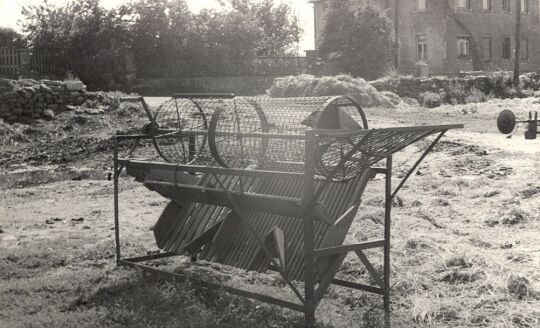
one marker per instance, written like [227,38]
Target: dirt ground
[465,234]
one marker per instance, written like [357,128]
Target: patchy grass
[449,268]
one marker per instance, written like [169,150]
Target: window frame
[525,8]
[421,8]
[503,46]
[421,48]
[467,5]
[508,7]
[488,3]
[466,40]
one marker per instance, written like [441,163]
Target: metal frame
[304,209]
[311,296]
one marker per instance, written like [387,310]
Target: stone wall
[498,84]
[20,99]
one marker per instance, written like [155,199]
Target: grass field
[465,246]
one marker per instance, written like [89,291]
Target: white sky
[10,13]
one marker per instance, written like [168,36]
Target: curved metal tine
[335,170]
[260,241]
[144,104]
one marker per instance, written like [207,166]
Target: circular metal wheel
[185,119]
[341,113]
[228,146]
[506,121]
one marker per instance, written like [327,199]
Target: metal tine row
[285,223]
[198,214]
[180,228]
[236,238]
[213,216]
[229,182]
[208,252]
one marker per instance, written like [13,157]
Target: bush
[309,85]
[475,96]
[456,92]
[394,98]
[431,99]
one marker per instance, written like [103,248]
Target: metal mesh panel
[373,146]
[252,132]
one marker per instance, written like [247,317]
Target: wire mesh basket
[253,132]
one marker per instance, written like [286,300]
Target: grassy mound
[309,85]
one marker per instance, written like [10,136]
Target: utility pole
[396,34]
[517,47]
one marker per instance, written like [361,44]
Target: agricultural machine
[506,122]
[266,185]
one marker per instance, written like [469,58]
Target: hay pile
[308,85]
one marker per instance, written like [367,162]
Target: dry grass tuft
[417,243]
[514,216]
[518,286]
[460,276]
[308,86]
[458,261]
[426,310]
[529,192]
[375,215]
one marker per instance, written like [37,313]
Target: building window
[506,48]
[421,5]
[463,4]
[506,5]
[524,49]
[524,6]
[486,48]
[486,5]
[421,47]
[463,47]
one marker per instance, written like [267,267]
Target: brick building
[430,31]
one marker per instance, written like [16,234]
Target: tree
[159,30]
[166,32]
[359,38]
[10,38]
[278,27]
[161,33]
[81,36]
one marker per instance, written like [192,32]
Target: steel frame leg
[309,275]
[116,211]
[387,226]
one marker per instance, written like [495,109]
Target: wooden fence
[9,62]
[29,62]
[256,66]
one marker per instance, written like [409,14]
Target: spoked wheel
[181,132]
